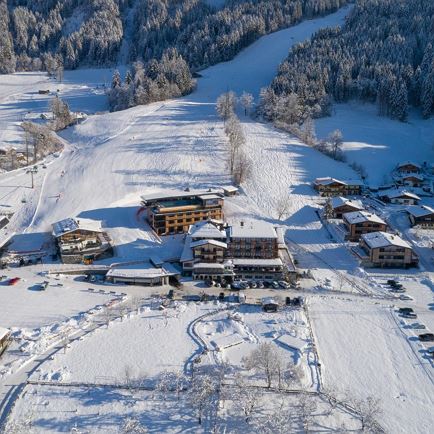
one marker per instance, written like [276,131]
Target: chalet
[400,197]
[362,222]
[381,249]
[174,212]
[408,167]
[422,216]
[269,304]
[5,337]
[81,240]
[247,250]
[334,187]
[337,206]
[411,180]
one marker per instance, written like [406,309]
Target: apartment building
[362,222]
[174,213]
[335,187]
[381,249]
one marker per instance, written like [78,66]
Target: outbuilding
[400,197]
[269,304]
[422,216]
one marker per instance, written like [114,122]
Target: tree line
[384,54]
[73,33]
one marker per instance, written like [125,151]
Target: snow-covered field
[112,158]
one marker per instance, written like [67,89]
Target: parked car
[283,284]
[236,286]
[405,310]
[411,315]
[288,301]
[399,290]
[417,326]
[405,297]
[261,285]
[275,284]
[222,296]
[170,294]
[253,284]
[430,352]
[13,281]
[426,337]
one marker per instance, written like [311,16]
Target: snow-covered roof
[384,239]
[412,175]
[139,271]
[269,300]
[252,229]
[210,265]
[176,194]
[4,332]
[338,201]
[206,229]
[401,193]
[204,242]
[274,262]
[409,163]
[293,342]
[187,252]
[67,225]
[420,211]
[329,180]
[362,216]
[209,196]
[230,189]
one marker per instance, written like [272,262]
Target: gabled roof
[338,201]
[204,242]
[412,175]
[406,163]
[420,211]
[230,189]
[383,239]
[68,225]
[401,193]
[362,216]
[329,180]
[206,229]
[269,300]
[252,229]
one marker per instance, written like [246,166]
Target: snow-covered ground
[112,158]
[364,350]
[379,143]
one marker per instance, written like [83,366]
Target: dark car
[170,294]
[426,337]
[288,301]
[222,296]
[405,310]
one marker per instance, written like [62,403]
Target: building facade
[336,207]
[381,249]
[330,187]
[247,250]
[175,213]
[421,216]
[408,167]
[362,222]
[80,240]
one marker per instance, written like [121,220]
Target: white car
[405,297]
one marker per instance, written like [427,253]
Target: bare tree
[243,168]
[201,393]
[328,209]
[133,426]
[246,100]
[246,398]
[263,359]
[172,382]
[308,407]
[225,105]
[283,206]
[234,131]
[280,421]
[368,411]
[335,140]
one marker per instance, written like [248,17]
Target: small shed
[230,190]
[269,304]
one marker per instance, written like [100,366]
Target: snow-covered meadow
[112,158]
